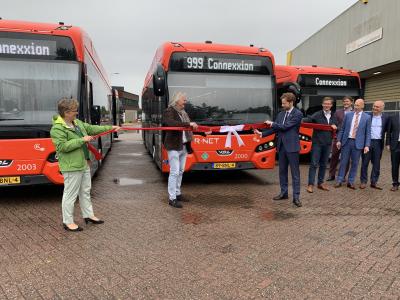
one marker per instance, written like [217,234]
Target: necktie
[355,127]
[286,115]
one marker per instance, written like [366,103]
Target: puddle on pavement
[268,215]
[131,154]
[191,218]
[128,181]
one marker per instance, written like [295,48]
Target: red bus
[225,85]
[39,64]
[311,84]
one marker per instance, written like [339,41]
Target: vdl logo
[5,162]
[224,152]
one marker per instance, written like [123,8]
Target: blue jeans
[177,160]
[319,158]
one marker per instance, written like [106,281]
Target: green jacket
[70,146]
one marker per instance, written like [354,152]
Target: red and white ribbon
[222,129]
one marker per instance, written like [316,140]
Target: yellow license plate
[224,165]
[10,180]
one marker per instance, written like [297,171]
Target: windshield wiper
[11,119]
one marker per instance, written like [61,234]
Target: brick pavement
[231,241]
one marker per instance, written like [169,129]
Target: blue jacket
[288,133]
[363,135]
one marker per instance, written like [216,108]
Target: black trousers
[374,156]
[395,157]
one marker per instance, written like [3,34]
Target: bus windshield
[29,90]
[310,104]
[224,99]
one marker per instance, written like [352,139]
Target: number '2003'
[26,167]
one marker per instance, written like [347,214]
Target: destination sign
[328,81]
[227,63]
[27,47]
[39,46]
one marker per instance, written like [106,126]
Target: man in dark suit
[378,129]
[354,138]
[393,144]
[286,127]
[321,145]
[339,116]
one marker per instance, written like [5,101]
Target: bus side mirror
[159,81]
[95,114]
[293,87]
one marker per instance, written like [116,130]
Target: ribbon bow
[230,130]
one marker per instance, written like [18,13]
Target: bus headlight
[266,146]
[305,138]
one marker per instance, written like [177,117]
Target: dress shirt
[287,113]
[376,127]
[352,122]
[327,115]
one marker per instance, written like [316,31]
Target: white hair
[175,98]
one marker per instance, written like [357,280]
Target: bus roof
[79,37]
[164,52]
[291,73]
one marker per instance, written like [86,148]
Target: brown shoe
[310,188]
[363,186]
[394,188]
[374,186]
[338,185]
[351,186]
[323,187]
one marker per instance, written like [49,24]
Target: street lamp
[111,76]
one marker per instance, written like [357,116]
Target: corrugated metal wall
[383,87]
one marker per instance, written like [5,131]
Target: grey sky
[127,33]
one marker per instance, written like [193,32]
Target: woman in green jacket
[70,137]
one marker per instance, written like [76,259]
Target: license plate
[224,165]
[10,180]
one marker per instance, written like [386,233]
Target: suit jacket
[393,130]
[288,133]
[385,123]
[339,116]
[363,135]
[321,137]
[172,140]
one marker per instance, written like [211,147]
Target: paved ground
[230,242]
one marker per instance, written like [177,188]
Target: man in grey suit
[354,138]
[286,127]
